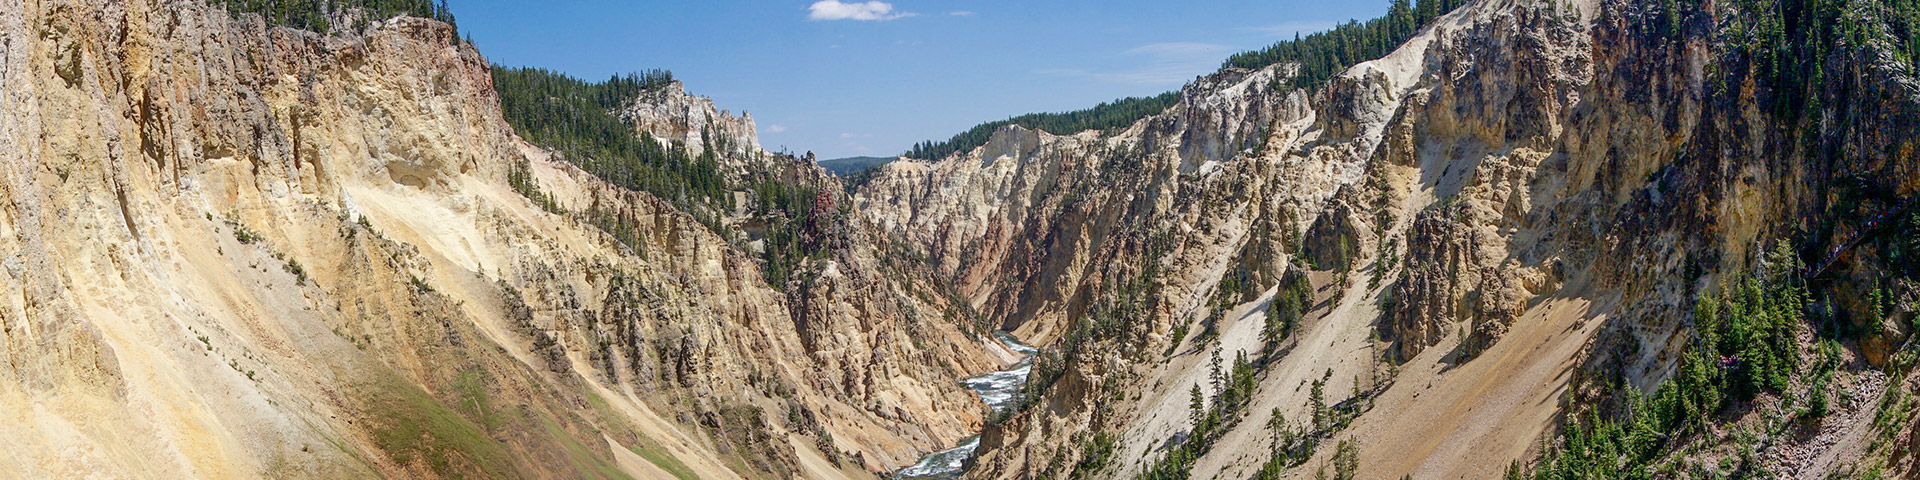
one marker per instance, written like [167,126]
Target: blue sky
[872,78]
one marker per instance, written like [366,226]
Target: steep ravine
[999,390]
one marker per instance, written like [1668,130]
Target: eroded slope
[241,251]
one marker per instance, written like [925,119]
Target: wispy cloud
[873,11]
[961,13]
[776,128]
[1289,29]
[1170,63]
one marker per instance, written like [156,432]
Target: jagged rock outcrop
[248,251]
[1338,235]
[669,113]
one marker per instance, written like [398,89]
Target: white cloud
[961,13]
[1171,63]
[776,128]
[875,10]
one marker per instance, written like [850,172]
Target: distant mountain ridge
[851,165]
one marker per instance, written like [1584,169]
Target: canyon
[240,250]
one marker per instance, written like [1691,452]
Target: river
[997,389]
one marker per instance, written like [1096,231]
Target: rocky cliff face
[669,113]
[1523,194]
[1016,223]
[242,251]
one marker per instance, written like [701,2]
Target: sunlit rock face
[244,251]
[1525,189]
[239,251]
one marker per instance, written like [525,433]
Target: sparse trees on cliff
[1321,56]
[1325,54]
[1116,114]
[315,15]
[1346,461]
[1210,421]
[1290,303]
[1745,344]
[573,117]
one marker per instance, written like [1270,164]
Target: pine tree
[1214,374]
[1357,391]
[1277,426]
[1317,403]
[1198,406]
[1346,461]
